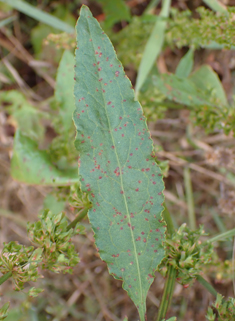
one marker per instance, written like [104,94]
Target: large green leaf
[117,167]
[33,166]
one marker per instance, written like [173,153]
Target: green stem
[5,277]
[78,218]
[222,236]
[207,285]
[171,273]
[168,293]
[168,219]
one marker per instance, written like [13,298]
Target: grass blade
[117,170]
[153,46]
[216,5]
[151,6]
[4,22]
[39,15]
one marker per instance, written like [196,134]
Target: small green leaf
[185,65]
[4,311]
[182,90]
[24,116]
[34,292]
[33,166]
[53,204]
[115,11]
[64,91]
[205,78]
[117,167]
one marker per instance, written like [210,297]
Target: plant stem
[5,277]
[78,218]
[189,197]
[207,285]
[168,293]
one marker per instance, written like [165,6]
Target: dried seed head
[227,203]
[221,156]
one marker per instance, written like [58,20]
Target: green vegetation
[103,193]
